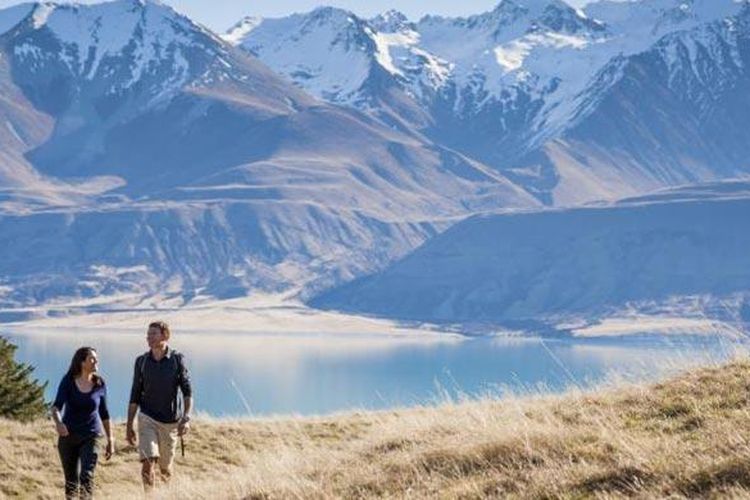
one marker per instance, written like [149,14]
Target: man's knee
[148,464]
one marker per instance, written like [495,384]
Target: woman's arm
[106,423]
[110,439]
[57,406]
[60,427]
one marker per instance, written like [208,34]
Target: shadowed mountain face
[160,160]
[677,253]
[574,105]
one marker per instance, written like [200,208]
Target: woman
[82,396]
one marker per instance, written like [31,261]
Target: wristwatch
[185,419]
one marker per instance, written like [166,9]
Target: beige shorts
[157,440]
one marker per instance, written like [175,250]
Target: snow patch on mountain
[385,42]
[236,33]
[149,29]
[512,55]
[14,132]
[324,52]
[41,14]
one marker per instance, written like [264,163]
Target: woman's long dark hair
[75,365]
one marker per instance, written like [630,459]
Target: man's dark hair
[162,326]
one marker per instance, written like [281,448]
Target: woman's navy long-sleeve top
[83,412]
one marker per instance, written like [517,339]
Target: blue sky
[220,14]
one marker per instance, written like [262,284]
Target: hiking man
[157,376]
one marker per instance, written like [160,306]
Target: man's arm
[187,394]
[135,399]
[184,426]
[129,430]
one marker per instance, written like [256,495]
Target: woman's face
[91,363]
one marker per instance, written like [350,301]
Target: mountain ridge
[191,168]
[494,85]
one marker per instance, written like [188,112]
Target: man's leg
[167,448]
[148,473]
[166,473]
[68,450]
[148,449]
[89,453]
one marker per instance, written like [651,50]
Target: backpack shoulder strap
[180,402]
[142,364]
[180,363]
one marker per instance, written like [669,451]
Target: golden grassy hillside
[688,437]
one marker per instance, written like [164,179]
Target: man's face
[155,337]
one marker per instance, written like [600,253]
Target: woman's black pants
[78,455]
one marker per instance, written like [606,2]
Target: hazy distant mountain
[677,253]
[574,105]
[147,156]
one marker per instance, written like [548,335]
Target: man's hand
[183,427]
[110,449]
[62,429]
[130,435]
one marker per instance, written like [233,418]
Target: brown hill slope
[687,437]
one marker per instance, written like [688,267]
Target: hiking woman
[82,397]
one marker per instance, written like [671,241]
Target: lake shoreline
[252,374]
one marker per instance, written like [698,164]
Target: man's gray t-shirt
[155,385]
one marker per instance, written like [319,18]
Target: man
[157,376]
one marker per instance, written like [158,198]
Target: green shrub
[21,397]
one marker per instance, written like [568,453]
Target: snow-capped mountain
[138,50]
[677,113]
[149,157]
[327,48]
[503,85]
[337,39]
[143,156]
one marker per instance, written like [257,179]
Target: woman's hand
[62,429]
[110,448]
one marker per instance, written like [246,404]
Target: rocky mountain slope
[572,104]
[162,161]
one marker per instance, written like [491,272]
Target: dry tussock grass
[687,437]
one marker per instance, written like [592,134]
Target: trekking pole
[182,446]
